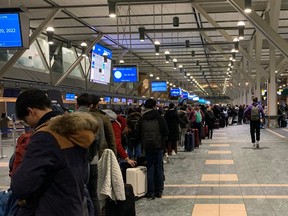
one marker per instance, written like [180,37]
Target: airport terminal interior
[182,51]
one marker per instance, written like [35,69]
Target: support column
[258,50]
[272,85]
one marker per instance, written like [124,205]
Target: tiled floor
[226,177]
[235,180]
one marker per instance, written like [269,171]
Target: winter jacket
[151,114]
[209,118]
[109,141]
[51,177]
[183,119]
[172,120]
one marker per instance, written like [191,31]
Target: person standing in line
[54,168]
[152,130]
[82,106]
[184,123]
[209,121]
[254,110]
[172,120]
[109,141]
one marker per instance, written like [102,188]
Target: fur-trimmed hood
[79,128]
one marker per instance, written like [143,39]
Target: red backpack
[20,150]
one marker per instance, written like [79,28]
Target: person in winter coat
[55,166]
[184,123]
[172,119]
[152,130]
[116,125]
[209,121]
[109,141]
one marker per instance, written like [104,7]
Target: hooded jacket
[51,178]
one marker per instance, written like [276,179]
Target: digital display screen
[175,92]
[10,30]
[70,96]
[100,70]
[116,100]
[159,86]
[123,100]
[125,73]
[107,99]
[195,99]
[185,95]
[130,101]
[140,102]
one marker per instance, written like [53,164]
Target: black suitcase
[122,208]
[189,142]
[216,124]
[222,123]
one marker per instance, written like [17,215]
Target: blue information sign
[10,31]
[125,73]
[100,50]
[175,92]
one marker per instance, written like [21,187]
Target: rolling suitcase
[122,208]
[137,177]
[204,131]
[196,137]
[189,141]
[216,124]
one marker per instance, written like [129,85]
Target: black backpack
[151,135]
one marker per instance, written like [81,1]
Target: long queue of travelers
[49,170]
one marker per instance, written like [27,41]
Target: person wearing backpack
[134,147]
[197,117]
[152,131]
[253,112]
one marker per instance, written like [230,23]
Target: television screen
[175,92]
[70,96]
[158,86]
[100,70]
[125,73]
[14,30]
[116,100]
[107,99]
[140,102]
[123,100]
[130,101]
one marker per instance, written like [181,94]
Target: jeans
[182,138]
[255,126]
[155,170]
[135,151]
[210,131]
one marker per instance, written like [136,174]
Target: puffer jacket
[51,178]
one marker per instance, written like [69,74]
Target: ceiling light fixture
[248,6]
[175,65]
[112,9]
[175,21]
[50,34]
[121,61]
[241,26]
[187,43]
[157,50]
[157,42]
[142,33]
[193,53]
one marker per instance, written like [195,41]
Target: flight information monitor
[10,31]
[159,86]
[100,65]
[125,73]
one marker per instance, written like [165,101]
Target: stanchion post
[1,147]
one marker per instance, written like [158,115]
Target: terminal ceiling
[199,23]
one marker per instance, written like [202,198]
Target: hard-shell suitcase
[122,208]
[222,123]
[196,137]
[137,177]
[189,141]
